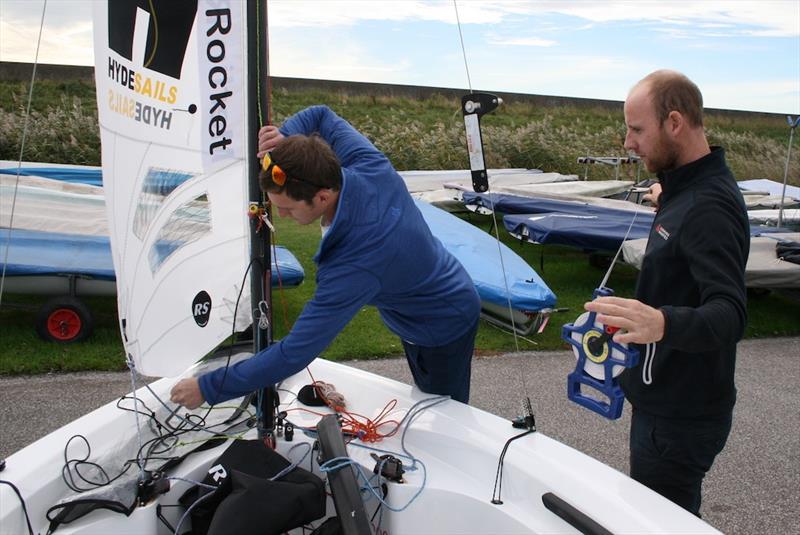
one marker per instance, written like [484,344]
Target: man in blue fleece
[690,296]
[376,250]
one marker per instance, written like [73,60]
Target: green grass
[426,134]
[23,352]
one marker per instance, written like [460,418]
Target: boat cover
[76,174]
[542,203]
[764,268]
[790,218]
[770,187]
[583,188]
[418,181]
[589,231]
[478,253]
[33,252]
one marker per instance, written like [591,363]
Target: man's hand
[639,323]
[653,194]
[187,392]
[268,138]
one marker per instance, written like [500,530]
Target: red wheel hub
[64,324]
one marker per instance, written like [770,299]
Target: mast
[258,113]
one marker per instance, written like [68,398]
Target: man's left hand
[268,138]
[187,392]
[638,323]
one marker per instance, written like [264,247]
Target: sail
[171,104]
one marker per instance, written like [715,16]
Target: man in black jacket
[690,306]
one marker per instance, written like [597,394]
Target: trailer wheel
[64,319]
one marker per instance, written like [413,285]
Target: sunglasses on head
[278,175]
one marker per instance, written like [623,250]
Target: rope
[647,366]
[619,250]
[139,461]
[21,152]
[365,428]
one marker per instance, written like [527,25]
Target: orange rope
[357,425]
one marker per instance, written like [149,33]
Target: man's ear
[675,122]
[325,195]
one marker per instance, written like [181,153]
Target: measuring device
[600,360]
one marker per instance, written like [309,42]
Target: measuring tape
[600,360]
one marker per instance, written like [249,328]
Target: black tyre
[64,320]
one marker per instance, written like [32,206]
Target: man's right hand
[268,138]
[187,392]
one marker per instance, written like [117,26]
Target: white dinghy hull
[459,446]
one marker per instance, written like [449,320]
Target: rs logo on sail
[201,308]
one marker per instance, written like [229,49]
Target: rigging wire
[21,152]
[463,49]
[491,200]
[494,219]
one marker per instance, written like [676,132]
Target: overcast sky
[743,54]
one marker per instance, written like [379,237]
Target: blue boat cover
[478,253]
[574,223]
[591,232]
[518,204]
[82,175]
[34,252]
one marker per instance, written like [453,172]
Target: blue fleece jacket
[378,251]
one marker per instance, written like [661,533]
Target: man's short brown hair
[310,165]
[673,91]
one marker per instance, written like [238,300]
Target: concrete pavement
[754,487]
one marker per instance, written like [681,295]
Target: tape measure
[600,360]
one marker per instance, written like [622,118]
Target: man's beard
[666,157]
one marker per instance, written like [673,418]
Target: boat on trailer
[396,460]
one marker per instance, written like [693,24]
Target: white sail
[171,104]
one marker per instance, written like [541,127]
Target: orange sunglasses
[278,175]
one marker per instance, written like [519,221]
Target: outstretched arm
[350,146]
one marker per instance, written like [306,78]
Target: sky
[744,55]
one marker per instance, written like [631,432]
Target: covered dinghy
[591,232]
[498,281]
[508,203]
[43,255]
[765,268]
[75,174]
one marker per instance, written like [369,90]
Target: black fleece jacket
[693,271]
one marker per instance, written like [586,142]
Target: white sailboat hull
[459,445]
